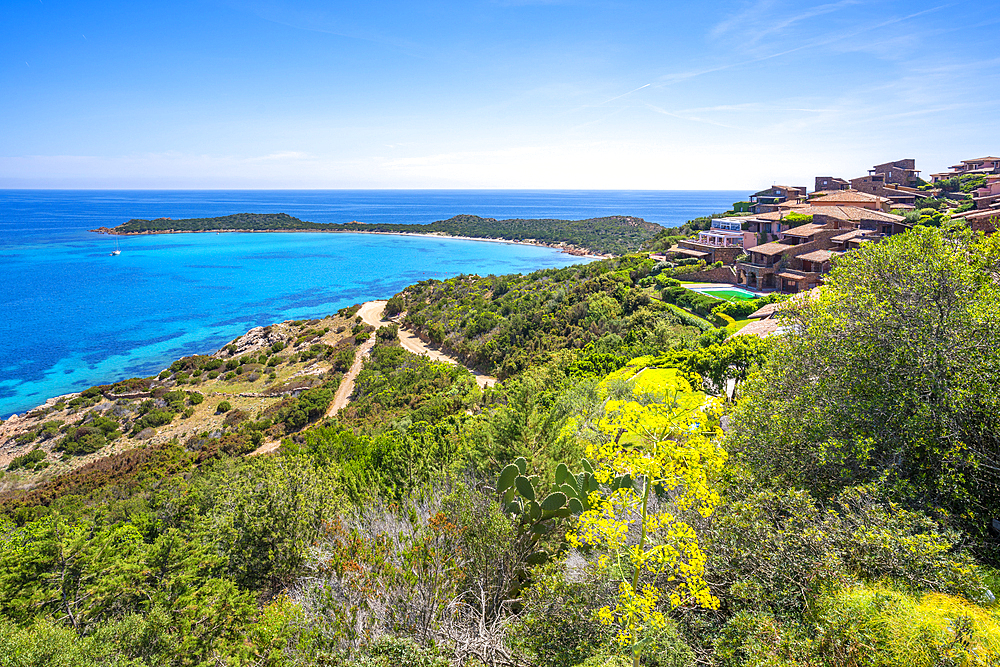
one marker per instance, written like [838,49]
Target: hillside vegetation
[638,489]
[609,235]
[615,235]
[238,222]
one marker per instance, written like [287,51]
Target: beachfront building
[798,260]
[723,242]
[766,201]
[985,217]
[987,221]
[894,181]
[901,172]
[980,165]
[779,265]
[898,195]
[824,183]
[988,196]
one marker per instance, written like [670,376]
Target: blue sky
[479,94]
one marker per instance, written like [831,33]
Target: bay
[73,316]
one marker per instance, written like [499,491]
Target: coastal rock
[256,340]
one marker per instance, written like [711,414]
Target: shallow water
[75,316]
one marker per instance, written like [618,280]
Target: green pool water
[728,294]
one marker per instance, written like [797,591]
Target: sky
[546,94]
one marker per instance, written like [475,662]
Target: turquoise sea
[73,316]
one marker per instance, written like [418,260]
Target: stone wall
[724,274]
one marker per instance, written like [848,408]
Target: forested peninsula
[611,235]
[643,486]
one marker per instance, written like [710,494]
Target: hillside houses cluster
[791,236]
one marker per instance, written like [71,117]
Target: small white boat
[117,251]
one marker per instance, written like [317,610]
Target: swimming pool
[726,293]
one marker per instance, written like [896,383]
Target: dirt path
[371,313]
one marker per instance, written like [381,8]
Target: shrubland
[634,491]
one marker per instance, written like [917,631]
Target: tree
[892,375]
[667,463]
[76,573]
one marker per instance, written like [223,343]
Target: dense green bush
[90,436]
[27,460]
[877,625]
[685,298]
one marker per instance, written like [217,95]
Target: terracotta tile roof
[767,310]
[847,196]
[805,231]
[771,248]
[770,217]
[853,213]
[849,235]
[760,328]
[688,251]
[850,213]
[817,256]
[971,215]
[800,275]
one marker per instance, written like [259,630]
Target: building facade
[979,165]
[723,242]
[766,201]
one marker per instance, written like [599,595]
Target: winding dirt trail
[371,313]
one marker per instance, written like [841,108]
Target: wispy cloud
[758,21]
[667,79]
[687,117]
[328,21]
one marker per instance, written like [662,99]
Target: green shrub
[44,644]
[700,303]
[387,334]
[738,309]
[687,318]
[560,627]
[224,406]
[90,436]
[389,651]
[796,219]
[395,305]
[27,460]
[751,639]
[872,626]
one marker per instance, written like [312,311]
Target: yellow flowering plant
[655,461]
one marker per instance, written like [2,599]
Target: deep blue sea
[73,316]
